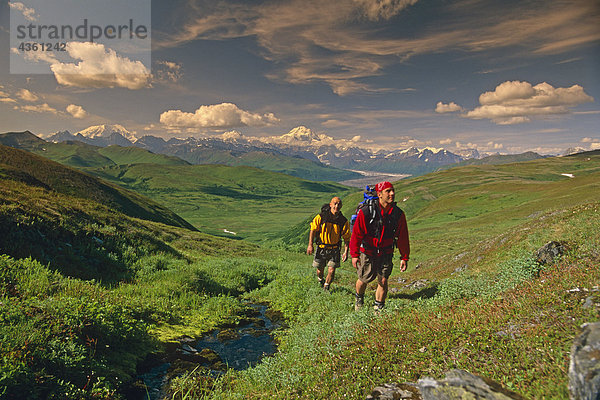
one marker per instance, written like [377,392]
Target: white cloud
[446,141]
[100,67]
[76,111]
[232,135]
[39,108]
[588,140]
[447,108]
[26,95]
[515,102]
[383,9]
[7,100]
[595,146]
[224,115]
[28,13]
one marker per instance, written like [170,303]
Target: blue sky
[507,76]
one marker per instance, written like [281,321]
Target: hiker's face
[335,205]
[387,196]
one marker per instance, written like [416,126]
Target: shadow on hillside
[425,293]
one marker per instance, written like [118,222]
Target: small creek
[231,346]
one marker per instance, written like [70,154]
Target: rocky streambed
[236,346]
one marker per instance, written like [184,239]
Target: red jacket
[362,241]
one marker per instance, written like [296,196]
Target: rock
[393,391]
[547,253]
[228,334]
[584,368]
[459,384]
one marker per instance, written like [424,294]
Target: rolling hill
[242,202]
[27,167]
[82,155]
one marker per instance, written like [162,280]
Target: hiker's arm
[403,242]
[314,229]
[311,236]
[346,236]
[345,254]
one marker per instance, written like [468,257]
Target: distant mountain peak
[106,130]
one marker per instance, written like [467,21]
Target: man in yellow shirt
[329,227]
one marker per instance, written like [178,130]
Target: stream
[237,347]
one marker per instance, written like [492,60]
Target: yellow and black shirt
[331,228]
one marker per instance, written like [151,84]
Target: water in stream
[238,348]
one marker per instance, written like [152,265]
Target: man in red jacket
[377,230]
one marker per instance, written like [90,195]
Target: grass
[102,289]
[216,198]
[516,329]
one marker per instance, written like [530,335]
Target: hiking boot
[379,305]
[326,287]
[359,302]
[321,282]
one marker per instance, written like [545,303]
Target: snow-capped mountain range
[299,142]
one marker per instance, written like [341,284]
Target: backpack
[327,216]
[370,209]
[368,205]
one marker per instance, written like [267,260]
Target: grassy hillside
[87,292]
[451,211]
[294,166]
[82,155]
[253,203]
[486,305]
[21,165]
[496,160]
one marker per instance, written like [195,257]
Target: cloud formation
[26,95]
[76,111]
[340,43]
[38,108]
[100,67]
[515,102]
[447,108]
[224,115]
[28,13]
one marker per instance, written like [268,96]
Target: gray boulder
[459,384]
[547,253]
[584,368]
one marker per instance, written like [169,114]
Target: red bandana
[381,186]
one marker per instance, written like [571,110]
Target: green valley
[91,287]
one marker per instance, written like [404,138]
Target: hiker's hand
[344,256]
[355,262]
[403,265]
[309,249]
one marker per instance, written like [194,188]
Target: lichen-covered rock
[459,384]
[547,253]
[394,391]
[584,368]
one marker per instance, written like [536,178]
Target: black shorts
[325,256]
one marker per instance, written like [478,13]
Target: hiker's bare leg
[360,287]
[330,275]
[382,289]
[320,273]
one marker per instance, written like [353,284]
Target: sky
[497,76]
